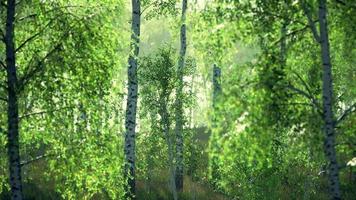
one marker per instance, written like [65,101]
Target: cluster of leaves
[158,80]
[66,62]
[263,126]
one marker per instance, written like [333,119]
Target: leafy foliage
[261,138]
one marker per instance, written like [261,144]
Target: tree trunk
[131,106]
[216,83]
[328,116]
[165,122]
[12,113]
[214,145]
[179,103]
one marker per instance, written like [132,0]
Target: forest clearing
[178,99]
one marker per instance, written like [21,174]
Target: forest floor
[192,190]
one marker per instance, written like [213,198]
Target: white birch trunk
[131,106]
[13,116]
[328,115]
[327,92]
[165,122]
[179,103]
[216,83]
[213,143]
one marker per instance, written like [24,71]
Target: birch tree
[179,104]
[214,144]
[328,115]
[12,101]
[158,72]
[131,105]
[41,43]
[322,37]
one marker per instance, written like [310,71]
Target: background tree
[51,38]
[179,104]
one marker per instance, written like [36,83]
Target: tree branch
[40,157]
[341,2]
[3,65]
[293,33]
[308,92]
[37,158]
[43,112]
[308,96]
[3,99]
[28,40]
[147,6]
[51,10]
[19,2]
[303,82]
[346,113]
[28,76]
[298,104]
[2,34]
[346,3]
[34,36]
[311,23]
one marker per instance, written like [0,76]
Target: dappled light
[177,99]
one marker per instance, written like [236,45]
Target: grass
[192,190]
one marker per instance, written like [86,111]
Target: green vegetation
[167,99]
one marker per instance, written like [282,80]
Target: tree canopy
[167,99]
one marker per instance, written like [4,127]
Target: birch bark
[322,37]
[165,122]
[179,103]
[131,106]
[328,115]
[213,143]
[12,112]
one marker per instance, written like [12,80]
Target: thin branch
[26,17]
[148,6]
[340,96]
[2,34]
[34,36]
[27,41]
[281,17]
[18,3]
[299,91]
[298,104]
[341,2]
[43,112]
[303,82]
[27,77]
[3,99]
[350,144]
[3,65]
[51,10]
[293,33]
[311,23]
[40,157]
[308,96]
[37,158]
[346,113]
[346,4]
